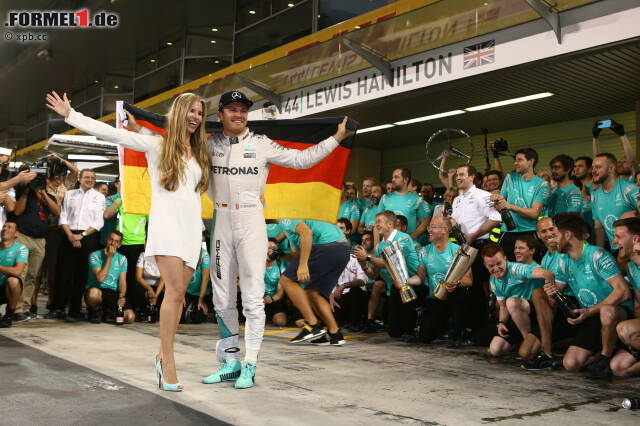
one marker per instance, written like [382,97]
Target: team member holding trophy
[443,264]
[397,260]
[473,211]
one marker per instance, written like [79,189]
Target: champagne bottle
[566,304]
[120,315]
[507,219]
[457,235]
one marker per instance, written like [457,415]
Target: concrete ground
[62,373]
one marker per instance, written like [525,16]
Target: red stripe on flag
[151,126]
[330,170]
[134,158]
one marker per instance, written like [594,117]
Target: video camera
[500,145]
[44,167]
[276,254]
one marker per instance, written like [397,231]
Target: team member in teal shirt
[402,317]
[567,197]
[410,205]
[370,211]
[525,195]
[626,361]
[536,351]
[13,261]
[435,259]
[349,208]
[197,303]
[322,256]
[602,292]
[107,280]
[274,302]
[512,283]
[614,197]
[367,185]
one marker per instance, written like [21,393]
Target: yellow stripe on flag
[137,192]
[311,200]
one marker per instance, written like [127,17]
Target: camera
[275,254]
[44,167]
[500,145]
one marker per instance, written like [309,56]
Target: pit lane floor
[53,372]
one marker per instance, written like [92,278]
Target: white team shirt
[472,209]
[81,210]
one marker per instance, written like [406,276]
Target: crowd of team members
[576,228]
[565,278]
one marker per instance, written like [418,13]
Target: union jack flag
[479,54]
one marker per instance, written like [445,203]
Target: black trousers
[477,309]
[353,307]
[136,294]
[435,320]
[72,271]
[403,317]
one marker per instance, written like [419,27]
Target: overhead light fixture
[357,27]
[374,128]
[216,61]
[252,12]
[212,41]
[429,117]
[214,29]
[89,157]
[510,101]
[152,60]
[169,43]
[96,81]
[290,5]
[116,87]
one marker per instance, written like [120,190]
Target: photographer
[32,209]
[7,193]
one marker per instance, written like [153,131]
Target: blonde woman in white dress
[176,162]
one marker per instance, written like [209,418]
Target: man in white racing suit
[239,167]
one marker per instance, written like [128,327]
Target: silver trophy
[397,267]
[458,146]
[462,261]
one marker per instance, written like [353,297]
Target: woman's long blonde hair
[172,159]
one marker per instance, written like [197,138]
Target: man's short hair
[491,250]
[415,182]
[369,233]
[405,173]
[83,171]
[346,222]
[494,172]
[529,240]
[529,153]
[566,161]
[612,158]
[587,160]
[471,171]
[14,223]
[403,220]
[373,180]
[116,232]
[573,222]
[631,223]
[272,240]
[388,215]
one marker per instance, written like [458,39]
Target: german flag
[289,194]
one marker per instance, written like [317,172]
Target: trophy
[452,143]
[397,267]
[462,261]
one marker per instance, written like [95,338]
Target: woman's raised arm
[132,140]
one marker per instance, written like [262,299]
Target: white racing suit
[239,238]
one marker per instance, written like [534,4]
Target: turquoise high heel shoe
[170,387]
